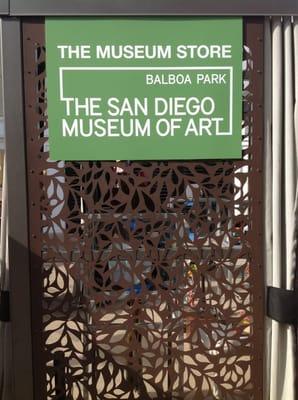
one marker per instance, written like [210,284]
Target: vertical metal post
[17,215]
[254,37]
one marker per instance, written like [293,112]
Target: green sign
[144,88]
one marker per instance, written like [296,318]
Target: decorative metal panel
[147,277]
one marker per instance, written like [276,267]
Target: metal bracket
[4,306]
[282,305]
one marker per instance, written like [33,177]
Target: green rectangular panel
[144,88]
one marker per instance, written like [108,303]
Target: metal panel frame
[154,7]
[18,211]
[257,192]
[255,35]
[19,258]
[30,44]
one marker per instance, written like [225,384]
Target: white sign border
[226,68]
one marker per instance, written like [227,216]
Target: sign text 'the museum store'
[144,88]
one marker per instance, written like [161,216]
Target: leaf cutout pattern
[148,270]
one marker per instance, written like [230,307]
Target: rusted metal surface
[147,277]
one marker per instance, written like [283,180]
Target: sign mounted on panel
[144,89]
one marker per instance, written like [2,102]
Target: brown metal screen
[147,277]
